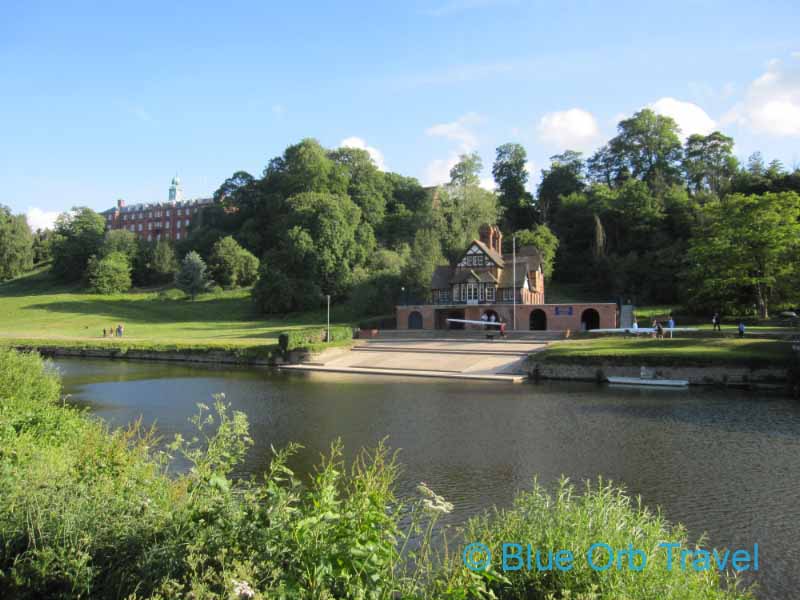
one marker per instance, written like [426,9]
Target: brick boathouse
[485,282]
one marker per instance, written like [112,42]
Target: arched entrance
[415,320]
[538,320]
[590,319]
[489,314]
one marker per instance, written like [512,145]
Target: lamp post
[328,338]
[403,294]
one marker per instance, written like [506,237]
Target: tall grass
[87,512]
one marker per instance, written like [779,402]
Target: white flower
[243,590]
[434,503]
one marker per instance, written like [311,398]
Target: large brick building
[508,287]
[168,220]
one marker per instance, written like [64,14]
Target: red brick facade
[152,222]
[485,281]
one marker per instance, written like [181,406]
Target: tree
[467,171]
[164,262]
[16,245]
[745,253]
[564,177]
[511,175]
[78,235]
[709,162]
[544,241]
[367,186]
[42,246]
[647,147]
[231,189]
[110,274]
[231,265]
[120,240]
[425,256]
[191,278]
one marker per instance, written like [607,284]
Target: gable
[475,257]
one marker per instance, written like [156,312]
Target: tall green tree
[367,186]
[646,147]
[230,265]
[744,253]
[120,240]
[425,256]
[511,176]
[565,176]
[78,235]
[16,244]
[192,277]
[709,163]
[467,171]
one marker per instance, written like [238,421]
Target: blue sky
[108,100]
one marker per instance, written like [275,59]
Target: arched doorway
[489,314]
[538,320]
[415,320]
[590,319]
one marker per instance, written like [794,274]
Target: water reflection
[721,462]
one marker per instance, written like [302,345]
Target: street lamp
[328,338]
[403,293]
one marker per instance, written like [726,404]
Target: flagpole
[514,276]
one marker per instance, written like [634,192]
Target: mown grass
[35,307]
[695,351]
[87,512]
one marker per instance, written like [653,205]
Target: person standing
[715,322]
[741,329]
[104,332]
[670,325]
[659,330]
[485,319]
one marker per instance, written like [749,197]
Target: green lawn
[678,351]
[35,308]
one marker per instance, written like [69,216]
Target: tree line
[647,217]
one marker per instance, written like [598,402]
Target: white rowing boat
[649,382]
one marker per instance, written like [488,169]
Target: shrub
[109,275]
[231,265]
[301,338]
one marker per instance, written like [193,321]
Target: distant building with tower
[168,220]
[489,285]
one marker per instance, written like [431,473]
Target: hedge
[301,338]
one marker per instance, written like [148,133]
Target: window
[472,291]
[149,226]
[180,212]
[507,294]
[149,237]
[178,235]
[463,293]
[480,291]
[140,226]
[490,293]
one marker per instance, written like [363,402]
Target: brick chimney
[491,236]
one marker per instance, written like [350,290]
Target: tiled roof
[507,275]
[441,277]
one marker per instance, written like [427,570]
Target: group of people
[112,332]
[658,327]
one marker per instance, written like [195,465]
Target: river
[721,462]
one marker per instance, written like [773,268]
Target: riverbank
[700,360]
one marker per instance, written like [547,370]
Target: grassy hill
[35,307]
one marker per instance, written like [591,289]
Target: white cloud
[374,153]
[39,219]
[772,102]
[689,116]
[574,129]
[438,171]
[458,131]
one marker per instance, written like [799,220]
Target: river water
[722,462]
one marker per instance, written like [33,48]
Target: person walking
[659,331]
[741,329]
[104,332]
[502,329]
[715,322]
[670,325]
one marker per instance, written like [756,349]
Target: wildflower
[243,590]
[434,503]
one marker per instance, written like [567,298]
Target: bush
[109,275]
[277,292]
[231,265]
[302,338]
